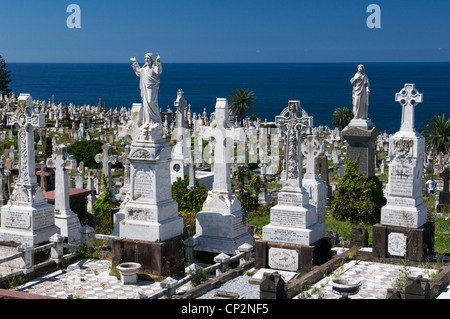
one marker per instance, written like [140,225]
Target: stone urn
[128,272]
[345,287]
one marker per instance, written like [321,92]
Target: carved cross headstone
[4,176]
[446,177]
[43,173]
[107,159]
[62,163]
[291,125]
[124,159]
[28,120]
[311,149]
[408,98]
[223,132]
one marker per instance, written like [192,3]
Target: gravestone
[178,165]
[27,217]
[4,177]
[294,221]
[151,232]
[316,188]
[405,213]
[43,173]
[107,159]
[222,225]
[444,195]
[65,218]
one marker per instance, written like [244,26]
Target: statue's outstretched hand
[133,59]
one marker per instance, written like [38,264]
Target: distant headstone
[65,218]
[444,195]
[107,159]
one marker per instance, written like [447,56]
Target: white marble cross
[311,149]
[62,162]
[224,133]
[408,98]
[28,120]
[107,159]
[291,126]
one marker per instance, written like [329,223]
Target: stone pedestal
[361,145]
[396,241]
[293,220]
[151,214]
[156,258]
[444,202]
[218,232]
[290,257]
[32,225]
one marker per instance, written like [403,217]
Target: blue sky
[225,31]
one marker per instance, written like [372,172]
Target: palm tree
[241,100]
[341,117]
[437,136]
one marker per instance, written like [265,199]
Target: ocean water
[320,87]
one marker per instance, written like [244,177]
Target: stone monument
[443,205]
[316,188]
[294,234]
[360,133]
[66,220]
[222,225]
[404,229]
[178,165]
[151,232]
[27,217]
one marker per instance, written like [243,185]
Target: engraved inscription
[289,199]
[285,259]
[143,185]
[18,219]
[401,181]
[43,218]
[287,218]
[397,244]
[286,236]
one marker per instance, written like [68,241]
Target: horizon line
[293,62]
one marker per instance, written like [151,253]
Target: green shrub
[358,199]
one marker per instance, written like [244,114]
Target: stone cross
[124,159]
[408,98]
[43,173]
[62,163]
[107,159]
[224,132]
[446,177]
[311,149]
[28,120]
[4,174]
[291,126]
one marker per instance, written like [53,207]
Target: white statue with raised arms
[149,85]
